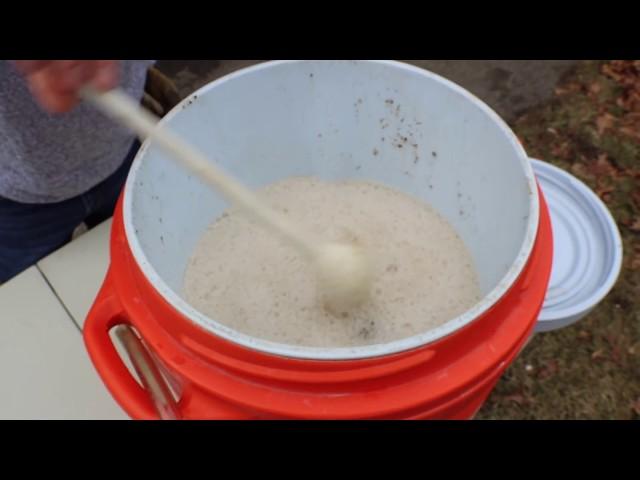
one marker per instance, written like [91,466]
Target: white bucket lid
[587,248]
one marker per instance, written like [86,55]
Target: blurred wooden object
[160,93]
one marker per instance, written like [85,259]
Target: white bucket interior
[383,121]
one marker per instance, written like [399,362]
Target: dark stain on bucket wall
[189,102]
[530,81]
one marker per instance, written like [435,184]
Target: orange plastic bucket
[283,118]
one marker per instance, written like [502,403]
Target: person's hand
[56,83]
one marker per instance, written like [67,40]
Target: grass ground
[592,369]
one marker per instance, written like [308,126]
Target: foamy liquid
[246,278]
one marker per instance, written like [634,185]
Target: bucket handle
[149,373]
[152,403]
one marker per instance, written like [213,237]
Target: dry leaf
[598,354]
[635,406]
[635,258]
[622,71]
[635,225]
[580,170]
[629,100]
[614,342]
[616,356]
[603,170]
[604,192]
[561,151]
[632,132]
[602,167]
[631,123]
[568,88]
[517,398]
[550,368]
[604,122]
[584,335]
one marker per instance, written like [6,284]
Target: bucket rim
[342,353]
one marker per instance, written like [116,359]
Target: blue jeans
[29,232]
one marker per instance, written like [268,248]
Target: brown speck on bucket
[375,151]
[389,101]
[364,332]
[358,167]
[434,154]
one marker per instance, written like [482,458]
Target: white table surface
[44,367]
